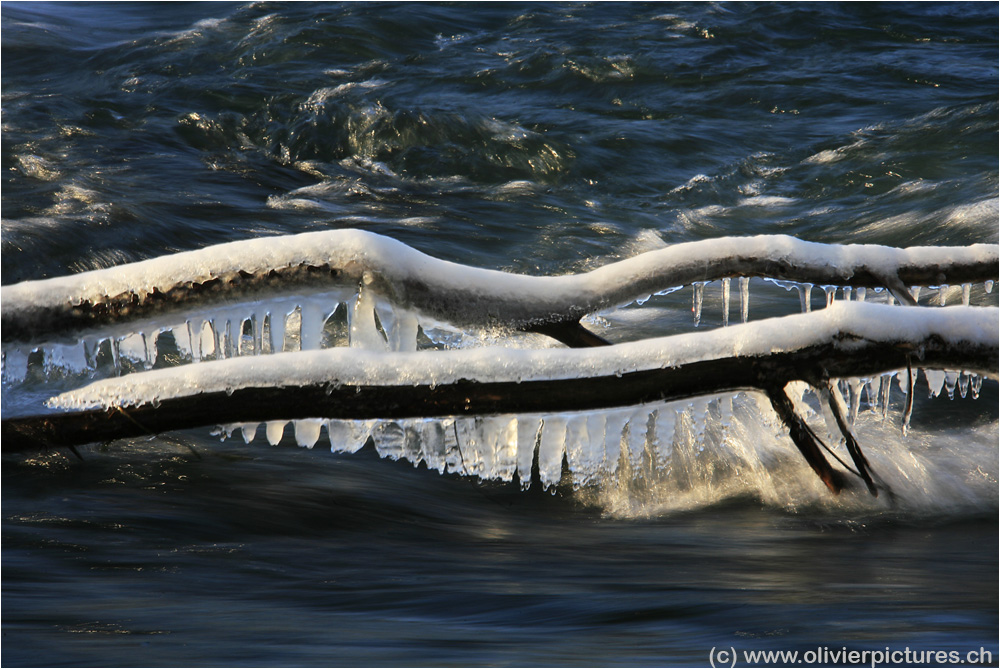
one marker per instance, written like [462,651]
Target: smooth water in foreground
[535,138]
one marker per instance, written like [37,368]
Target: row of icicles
[941,295]
[665,439]
[357,319]
[586,446]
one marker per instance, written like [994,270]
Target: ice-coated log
[847,339]
[461,295]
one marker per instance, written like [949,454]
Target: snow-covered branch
[252,270]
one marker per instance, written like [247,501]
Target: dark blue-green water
[539,138]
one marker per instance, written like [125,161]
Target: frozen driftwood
[845,340]
[457,294]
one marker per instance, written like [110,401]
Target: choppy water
[536,138]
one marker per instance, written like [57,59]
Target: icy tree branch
[464,296]
[847,339]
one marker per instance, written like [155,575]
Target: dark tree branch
[804,438]
[466,397]
[571,333]
[860,461]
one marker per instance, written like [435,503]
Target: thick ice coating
[456,293]
[845,324]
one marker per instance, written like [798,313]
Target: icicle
[385,320]
[988,285]
[453,451]
[614,437]
[975,384]
[257,321]
[313,315]
[194,326]
[847,293]
[963,385]
[114,344]
[293,327]
[831,293]
[90,349]
[468,444]
[488,437]
[363,331]
[244,343]
[873,387]
[664,424]
[412,443]
[856,386]
[249,431]
[860,293]
[950,381]
[911,377]
[744,297]
[307,431]
[725,403]
[348,436]
[832,427]
[886,393]
[942,295]
[596,453]
[149,356]
[276,321]
[506,449]
[725,301]
[697,413]
[903,383]
[697,299]
[638,430]
[527,438]
[388,436]
[230,339]
[915,292]
[403,337]
[430,433]
[551,450]
[805,297]
[216,344]
[274,430]
[15,364]
[935,381]
[182,340]
[70,358]
[577,452]
[966,292]
[133,347]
